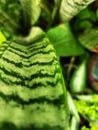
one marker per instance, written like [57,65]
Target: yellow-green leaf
[2,38]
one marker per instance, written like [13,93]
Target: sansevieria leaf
[2,38]
[32,90]
[70,8]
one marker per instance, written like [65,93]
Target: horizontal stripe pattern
[31,86]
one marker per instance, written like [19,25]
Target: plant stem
[70,66]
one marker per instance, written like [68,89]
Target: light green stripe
[42,58]
[9,77]
[26,93]
[19,46]
[18,52]
[40,43]
[11,67]
[44,50]
[14,57]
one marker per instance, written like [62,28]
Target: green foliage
[2,38]
[69,12]
[64,42]
[9,14]
[36,11]
[72,109]
[18,16]
[87,14]
[76,84]
[88,108]
[89,38]
[73,33]
[97,14]
[92,127]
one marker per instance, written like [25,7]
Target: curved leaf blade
[89,39]
[70,8]
[36,10]
[64,42]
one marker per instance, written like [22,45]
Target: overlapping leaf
[64,41]
[19,15]
[70,8]
[89,39]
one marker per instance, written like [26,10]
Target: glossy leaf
[64,42]
[74,124]
[72,108]
[78,80]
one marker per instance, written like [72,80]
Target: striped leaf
[70,8]
[32,90]
[2,38]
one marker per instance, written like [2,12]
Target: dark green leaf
[89,39]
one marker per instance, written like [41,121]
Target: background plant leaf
[70,8]
[64,42]
[9,15]
[36,10]
[89,39]
[18,16]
